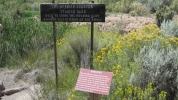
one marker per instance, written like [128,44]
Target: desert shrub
[175,6]
[138,9]
[160,67]
[165,13]
[35,7]
[17,13]
[169,28]
[9,4]
[129,43]
[23,35]
[75,47]
[1,6]
[25,6]
[18,8]
[154,5]
[110,8]
[118,57]
[123,6]
[14,37]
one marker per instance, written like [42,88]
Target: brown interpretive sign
[94,81]
[51,12]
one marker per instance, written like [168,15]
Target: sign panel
[51,12]
[94,81]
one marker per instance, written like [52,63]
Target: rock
[12,91]
[2,86]
[1,27]
[1,94]
[19,81]
[32,77]
[31,93]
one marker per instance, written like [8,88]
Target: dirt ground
[124,23]
[16,78]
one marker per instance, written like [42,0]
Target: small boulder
[2,86]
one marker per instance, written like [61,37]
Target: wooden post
[91,45]
[55,51]
[93,96]
[1,27]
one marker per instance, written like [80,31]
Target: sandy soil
[124,22]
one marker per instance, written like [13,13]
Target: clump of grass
[66,82]
[74,48]
[23,35]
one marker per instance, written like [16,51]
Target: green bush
[154,5]
[138,9]
[10,5]
[74,48]
[165,13]
[35,7]
[175,6]
[123,6]
[16,13]
[22,35]
[25,6]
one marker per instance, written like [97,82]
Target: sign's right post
[93,96]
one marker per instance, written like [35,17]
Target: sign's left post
[42,10]
[55,51]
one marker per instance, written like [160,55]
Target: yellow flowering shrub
[125,47]
[119,58]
